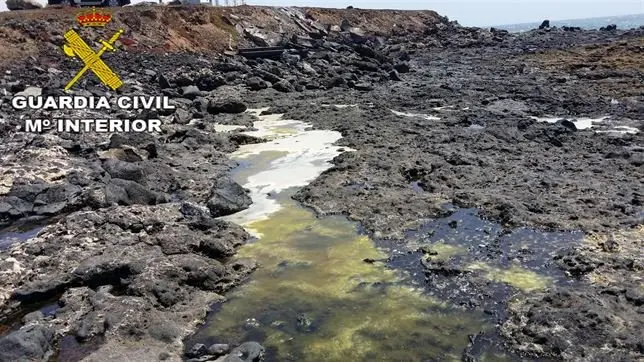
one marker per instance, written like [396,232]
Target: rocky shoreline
[134,256]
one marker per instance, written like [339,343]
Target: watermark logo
[76,47]
[90,106]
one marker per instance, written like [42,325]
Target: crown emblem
[93,18]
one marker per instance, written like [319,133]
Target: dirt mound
[199,28]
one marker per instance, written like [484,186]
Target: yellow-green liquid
[315,298]
[349,310]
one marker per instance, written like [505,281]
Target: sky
[479,12]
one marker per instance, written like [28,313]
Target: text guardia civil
[76,125]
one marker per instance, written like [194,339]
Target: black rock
[28,192]
[210,82]
[100,270]
[637,159]
[163,82]
[191,210]
[611,27]
[247,352]
[312,85]
[393,75]
[283,86]
[358,36]
[365,51]
[336,82]
[367,66]
[170,92]
[571,28]
[124,170]
[142,141]
[191,92]
[58,193]
[256,83]
[574,262]
[402,67]
[168,294]
[226,106]
[363,86]
[233,78]
[350,76]
[345,25]
[545,24]
[218,349]
[15,87]
[217,248]
[403,55]
[499,31]
[127,192]
[33,343]
[232,65]
[200,104]
[42,289]
[183,80]
[197,350]
[40,198]
[568,124]
[268,76]
[227,197]
[33,317]
[182,116]
[290,59]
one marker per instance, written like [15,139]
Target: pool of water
[314,297]
[20,232]
[324,291]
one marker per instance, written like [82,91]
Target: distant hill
[622,22]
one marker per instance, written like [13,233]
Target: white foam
[621,129]
[580,123]
[339,106]
[449,108]
[257,111]
[227,127]
[442,108]
[308,155]
[589,123]
[424,116]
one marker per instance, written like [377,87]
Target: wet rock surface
[246,352]
[598,321]
[31,343]
[134,252]
[128,272]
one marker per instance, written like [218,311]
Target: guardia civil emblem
[76,47]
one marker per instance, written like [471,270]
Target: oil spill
[313,298]
[476,263]
[324,291]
